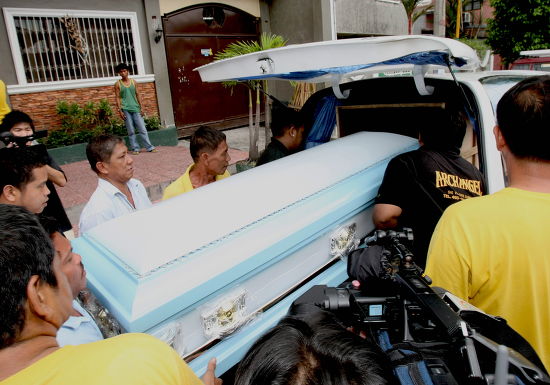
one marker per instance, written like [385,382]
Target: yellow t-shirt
[183,184]
[494,252]
[4,108]
[126,359]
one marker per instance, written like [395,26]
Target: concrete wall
[7,69]
[250,6]
[370,17]
[160,67]
[298,22]
[294,20]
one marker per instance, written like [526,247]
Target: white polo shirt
[108,202]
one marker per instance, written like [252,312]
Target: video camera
[391,301]
[21,141]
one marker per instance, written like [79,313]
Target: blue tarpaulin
[421,58]
[325,120]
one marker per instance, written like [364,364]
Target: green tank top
[128,97]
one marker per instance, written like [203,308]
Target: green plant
[480,46]
[267,41]
[413,11]
[518,26]
[152,123]
[80,123]
[117,127]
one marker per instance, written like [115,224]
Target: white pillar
[439,18]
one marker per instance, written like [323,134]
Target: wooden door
[193,36]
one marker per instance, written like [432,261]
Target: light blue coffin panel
[263,232]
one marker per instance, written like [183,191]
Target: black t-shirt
[423,183]
[274,150]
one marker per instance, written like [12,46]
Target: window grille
[73,46]
[473,4]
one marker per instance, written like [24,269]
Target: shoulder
[274,150]
[472,211]
[401,163]
[99,207]
[135,356]
[405,158]
[98,199]
[136,183]
[139,192]
[177,187]
[138,346]
[146,355]
[137,341]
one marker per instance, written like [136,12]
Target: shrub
[80,123]
[152,123]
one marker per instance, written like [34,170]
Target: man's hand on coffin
[209,377]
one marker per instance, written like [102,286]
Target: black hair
[49,224]
[16,166]
[523,116]
[121,66]
[444,128]
[205,139]
[14,117]
[283,118]
[25,250]
[100,148]
[316,350]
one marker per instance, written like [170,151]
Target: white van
[211,270]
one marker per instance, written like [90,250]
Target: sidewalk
[154,170]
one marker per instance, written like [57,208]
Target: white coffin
[260,234]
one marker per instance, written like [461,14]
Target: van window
[496,86]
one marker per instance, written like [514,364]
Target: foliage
[517,26]
[80,123]
[152,123]
[414,10]
[267,41]
[480,46]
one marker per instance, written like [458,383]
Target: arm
[138,96]
[385,216]
[391,200]
[118,101]
[55,176]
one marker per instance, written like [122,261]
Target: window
[60,45]
[473,4]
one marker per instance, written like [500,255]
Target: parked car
[211,270]
[537,60]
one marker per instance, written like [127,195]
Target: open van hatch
[340,60]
